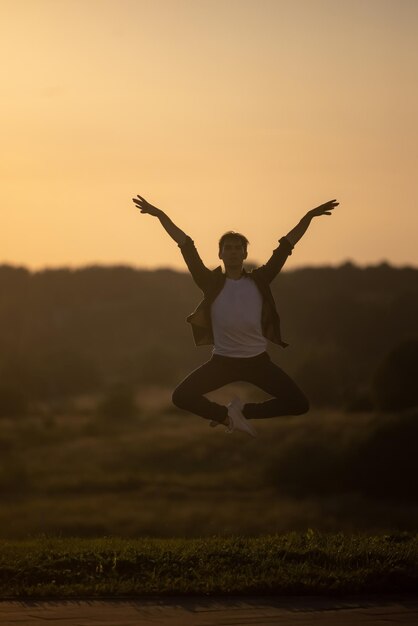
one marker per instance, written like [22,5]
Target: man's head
[233,248]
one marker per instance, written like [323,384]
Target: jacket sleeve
[200,273]
[275,263]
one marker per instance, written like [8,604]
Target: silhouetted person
[237,316]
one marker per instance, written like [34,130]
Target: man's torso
[236,319]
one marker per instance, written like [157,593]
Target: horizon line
[250,264]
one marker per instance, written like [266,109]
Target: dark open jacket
[211,283]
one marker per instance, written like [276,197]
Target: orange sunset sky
[227,114]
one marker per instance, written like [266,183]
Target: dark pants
[287,399]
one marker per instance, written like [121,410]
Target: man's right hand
[174,231]
[146,207]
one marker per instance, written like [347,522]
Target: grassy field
[168,474]
[308,563]
[163,504]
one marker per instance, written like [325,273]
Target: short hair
[231,234]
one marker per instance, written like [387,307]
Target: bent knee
[178,398]
[302,406]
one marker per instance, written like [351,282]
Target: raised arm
[174,231]
[300,229]
[273,266]
[200,273]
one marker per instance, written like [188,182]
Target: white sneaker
[237,419]
[214,424]
[229,429]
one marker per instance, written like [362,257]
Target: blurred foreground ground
[204,612]
[166,473]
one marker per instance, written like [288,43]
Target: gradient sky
[227,114]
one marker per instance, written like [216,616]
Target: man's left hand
[323,209]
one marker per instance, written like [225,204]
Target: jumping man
[237,316]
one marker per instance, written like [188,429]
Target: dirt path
[235,611]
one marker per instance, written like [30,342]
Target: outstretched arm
[200,273]
[300,229]
[175,233]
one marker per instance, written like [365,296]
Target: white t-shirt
[236,319]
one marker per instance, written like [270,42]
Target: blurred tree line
[353,333]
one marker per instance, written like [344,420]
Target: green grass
[168,474]
[310,563]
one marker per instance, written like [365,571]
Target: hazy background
[90,443]
[227,113]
